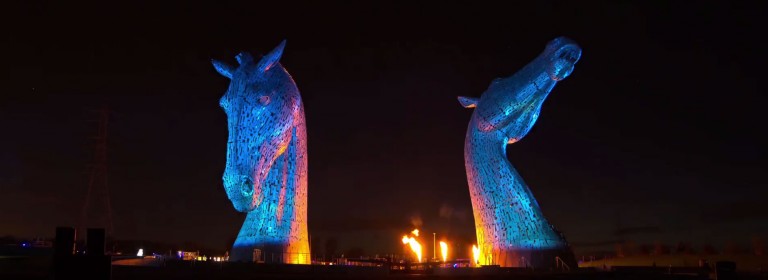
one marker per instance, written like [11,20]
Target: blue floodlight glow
[266,170]
[511,229]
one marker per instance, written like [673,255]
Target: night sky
[658,135]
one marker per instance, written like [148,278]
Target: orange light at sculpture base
[475,254]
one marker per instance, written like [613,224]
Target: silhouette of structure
[511,229]
[266,170]
[97,208]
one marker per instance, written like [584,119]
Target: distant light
[140,253]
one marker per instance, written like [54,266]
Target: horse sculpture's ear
[468,102]
[224,69]
[271,58]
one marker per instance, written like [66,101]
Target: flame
[415,246]
[444,250]
[476,254]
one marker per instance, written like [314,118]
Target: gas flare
[414,244]
[444,250]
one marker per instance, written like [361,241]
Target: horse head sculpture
[510,227]
[265,173]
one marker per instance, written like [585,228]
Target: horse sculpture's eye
[264,99]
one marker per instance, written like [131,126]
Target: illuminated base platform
[268,253]
[205,270]
[531,258]
[38,267]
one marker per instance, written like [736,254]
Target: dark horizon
[656,136]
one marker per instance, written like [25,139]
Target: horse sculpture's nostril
[246,186]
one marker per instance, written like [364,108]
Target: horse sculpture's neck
[282,217]
[507,216]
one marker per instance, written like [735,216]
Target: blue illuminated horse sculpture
[266,170]
[511,229]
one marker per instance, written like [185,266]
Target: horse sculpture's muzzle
[241,190]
